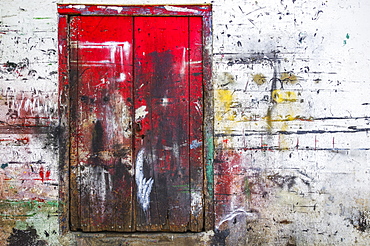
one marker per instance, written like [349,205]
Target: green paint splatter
[3,166]
[41,18]
[345,41]
[17,215]
[246,188]
[21,214]
[186,186]
[33,204]
[209,162]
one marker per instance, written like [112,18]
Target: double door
[136,154]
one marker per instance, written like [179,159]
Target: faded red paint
[163,89]
[230,176]
[103,148]
[159,86]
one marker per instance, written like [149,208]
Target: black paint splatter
[360,221]
[219,238]
[97,139]
[10,66]
[26,237]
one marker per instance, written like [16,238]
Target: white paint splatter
[31,103]
[196,203]
[122,77]
[233,214]
[195,144]
[198,107]
[103,83]
[77,6]
[165,102]
[144,186]
[100,182]
[179,9]
[118,9]
[140,113]
[176,152]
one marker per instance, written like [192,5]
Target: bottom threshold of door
[141,238]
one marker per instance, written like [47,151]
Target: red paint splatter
[44,176]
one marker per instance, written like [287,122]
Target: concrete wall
[291,83]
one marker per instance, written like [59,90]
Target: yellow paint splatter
[259,78]
[225,97]
[284,96]
[224,100]
[269,119]
[290,117]
[288,78]
[283,143]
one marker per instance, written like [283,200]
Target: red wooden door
[137,148]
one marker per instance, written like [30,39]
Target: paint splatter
[236,212]
[259,79]
[140,113]
[196,203]
[345,40]
[289,77]
[224,101]
[44,175]
[226,78]
[25,238]
[144,186]
[195,144]
[284,96]
[302,36]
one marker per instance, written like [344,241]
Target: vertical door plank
[196,123]
[75,201]
[162,123]
[104,105]
[64,114]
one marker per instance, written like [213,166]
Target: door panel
[136,148]
[162,88]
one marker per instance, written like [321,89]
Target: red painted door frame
[68,15]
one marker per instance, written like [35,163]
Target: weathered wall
[291,165]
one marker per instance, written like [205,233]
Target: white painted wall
[300,174]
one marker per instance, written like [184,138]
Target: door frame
[66,11]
